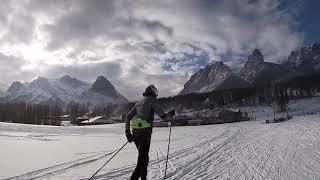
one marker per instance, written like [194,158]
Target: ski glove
[171,113]
[129,136]
[169,116]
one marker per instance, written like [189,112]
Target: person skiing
[140,120]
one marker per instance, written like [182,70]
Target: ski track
[60,168]
[155,164]
[237,153]
[202,161]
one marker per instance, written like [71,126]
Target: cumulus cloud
[13,68]
[136,43]
[132,82]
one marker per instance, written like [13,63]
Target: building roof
[82,118]
[98,119]
[230,110]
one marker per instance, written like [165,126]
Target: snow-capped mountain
[102,91]
[305,60]
[2,95]
[216,76]
[256,71]
[15,87]
[63,91]
[103,86]
[237,65]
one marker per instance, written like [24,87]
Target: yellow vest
[138,123]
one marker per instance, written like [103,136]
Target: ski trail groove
[60,168]
[203,159]
[115,173]
[157,159]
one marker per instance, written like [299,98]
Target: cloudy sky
[136,43]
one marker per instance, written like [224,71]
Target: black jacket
[146,108]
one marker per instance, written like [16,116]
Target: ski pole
[109,160]
[165,171]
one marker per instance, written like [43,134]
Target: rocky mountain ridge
[258,72]
[2,94]
[255,71]
[216,76]
[63,91]
[305,60]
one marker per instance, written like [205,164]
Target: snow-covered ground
[245,150]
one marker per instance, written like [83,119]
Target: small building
[210,120]
[194,122]
[97,121]
[160,123]
[65,123]
[181,120]
[177,121]
[78,120]
[50,120]
[229,115]
[66,119]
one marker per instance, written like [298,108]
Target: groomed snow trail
[60,168]
[247,150]
[181,162]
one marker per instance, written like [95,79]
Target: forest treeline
[275,94]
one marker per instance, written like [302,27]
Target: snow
[98,119]
[2,94]
[66,89]
[244,150]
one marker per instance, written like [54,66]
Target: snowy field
[245,150]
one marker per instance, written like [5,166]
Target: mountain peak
[256,56]
[214,76]
[64,90]
[74,82]
[43,84]
[2,94]
[306,60]
[316,46]
[103,86]
[40,81]
[102,78]
[217,63]
[66,77]
[15,87]
[256,71]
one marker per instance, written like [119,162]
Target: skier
[140,119]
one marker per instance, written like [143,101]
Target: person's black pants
[142,140]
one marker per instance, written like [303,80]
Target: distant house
[160,123]
[65,120]
[181,120]
[219,117]
[194,122]
[229,115]
[210,120]
[97,121]
[65,123]
[78,120]
[50,120]
[66,117]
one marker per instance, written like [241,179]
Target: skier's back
[140,119]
